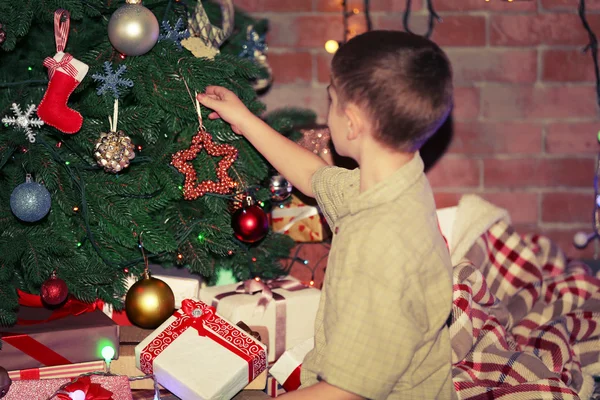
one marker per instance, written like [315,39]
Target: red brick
[496,138]
[287,5]
[493,65]
[569,5]
[315,30]
[572,138]
[249,5]
[395,5]
[324,67]
[455,172]
[516,102]
[455,30]
[533,30]
[567,66]
[466,103]
[535,172]
[563,238]
[376,5]
[297,96]
[445,199]
[291,67]
[521,206]
[282,32]
[567,207]
[483,5]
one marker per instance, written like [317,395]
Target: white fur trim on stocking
[82,68]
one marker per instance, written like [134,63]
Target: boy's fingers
[214,115]
[207,100]
[218,91]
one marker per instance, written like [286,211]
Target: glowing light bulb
[331,46]
[107,353]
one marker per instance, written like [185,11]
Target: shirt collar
[385,191]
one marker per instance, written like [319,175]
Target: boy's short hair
[403,80]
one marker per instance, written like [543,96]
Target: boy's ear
[356,121]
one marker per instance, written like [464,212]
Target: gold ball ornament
[114,151]
[133,29]
[149,303]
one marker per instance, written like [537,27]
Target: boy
[380,331]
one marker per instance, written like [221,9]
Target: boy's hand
[227,106]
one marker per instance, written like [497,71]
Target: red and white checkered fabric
[525,323]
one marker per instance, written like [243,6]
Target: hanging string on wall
[331,46]
[582,239]
[431,20]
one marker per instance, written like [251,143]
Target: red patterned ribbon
[252,286]
[293,381]
[201,317]
[34,349]
[61,34]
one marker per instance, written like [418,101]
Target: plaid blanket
[526,322]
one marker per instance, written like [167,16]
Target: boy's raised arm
[294,162]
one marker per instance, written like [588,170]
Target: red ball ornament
[54,291]
[250,224]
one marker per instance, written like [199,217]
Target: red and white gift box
[286,307]
[274,388]
[287,369]
[197,355]
[59,371]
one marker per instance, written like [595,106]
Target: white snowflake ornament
[24,120]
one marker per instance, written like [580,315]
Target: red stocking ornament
[65,73]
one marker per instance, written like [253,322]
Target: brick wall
[525,121]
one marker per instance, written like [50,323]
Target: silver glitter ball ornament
[280,188]
[133,29]
[30,201]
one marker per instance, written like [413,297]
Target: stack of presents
[221,340]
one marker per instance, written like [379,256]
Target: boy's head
[400,82]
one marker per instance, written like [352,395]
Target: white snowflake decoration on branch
[24,120]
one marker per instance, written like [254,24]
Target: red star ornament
[191,188]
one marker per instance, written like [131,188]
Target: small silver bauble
[133,29]
[280,188]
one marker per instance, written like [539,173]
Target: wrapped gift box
[60,371]
[72,339]
[287,369]
[126,365]
[289,316]
[274,388]
[182,282]
[298,220]
[197,355]
[44,388]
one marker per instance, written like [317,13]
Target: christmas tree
[80,194]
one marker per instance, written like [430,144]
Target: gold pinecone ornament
[114,151]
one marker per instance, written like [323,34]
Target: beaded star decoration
[181,160]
